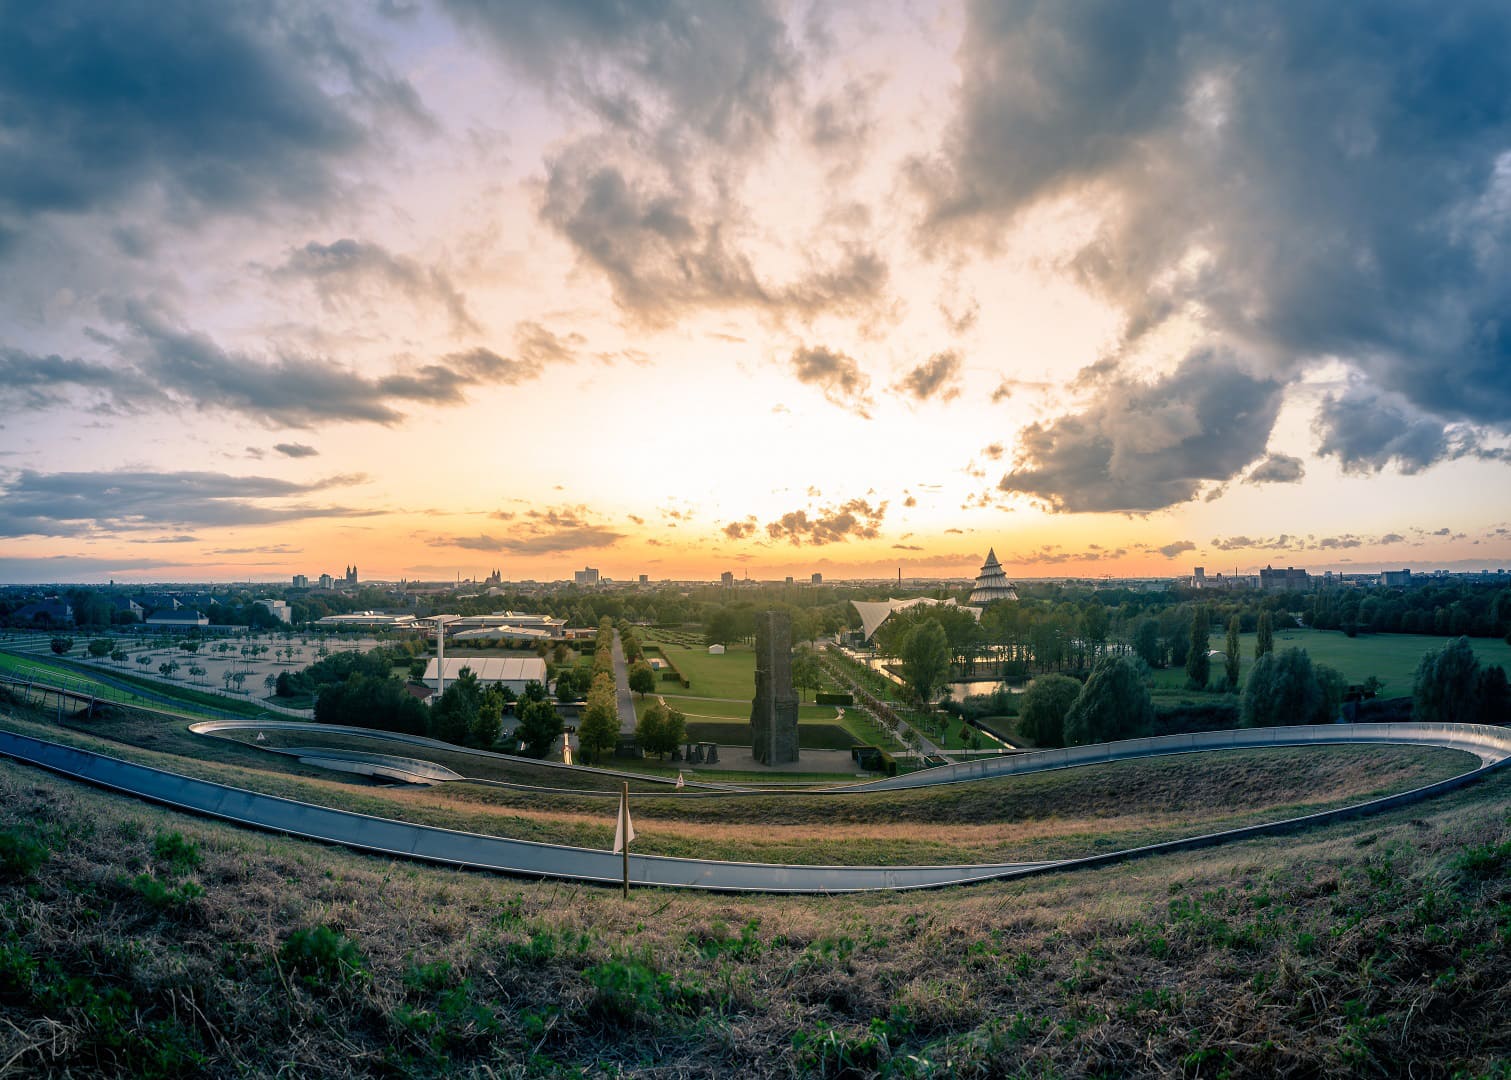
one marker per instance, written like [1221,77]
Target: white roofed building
[511,671]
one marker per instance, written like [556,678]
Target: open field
[729,676]
[136,940]
[1391,657]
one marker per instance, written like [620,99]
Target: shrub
[176,851]
[323,957]
[1045,703]
[833,697]
[21,855]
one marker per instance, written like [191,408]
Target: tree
[807,672]
[599,729]
[269,681]
[649,728]
[486,725]
[1332,688]
[100,647]
[62,645]
[1198,663]
[1446,690]
[1045,703]
[1494,695]
[1114,704]
[1230,656]
[120,656]
[673,731]
[196,672]
[925,660]
[642,678]
[1146,643]
[539,727]
[452,716]
[1282,689]
[1264,641]
[567,686]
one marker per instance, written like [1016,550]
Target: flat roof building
[513,672]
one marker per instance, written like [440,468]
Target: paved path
[1491,745]
[626,700]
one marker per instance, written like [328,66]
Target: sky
[439,287]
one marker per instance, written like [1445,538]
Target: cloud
[853,520]
[215,108]
[539,346]
[1277,469]
[938,376]
[837,375]
[1367,430]
[82,503]
[666,247]
[541,532]
[1140,447]
[165,366]
[741,530]
[347,270]
[711,72]
[295,450]
[1309,182]
[841,124]
[1171,550]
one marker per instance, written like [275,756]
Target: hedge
[832,697]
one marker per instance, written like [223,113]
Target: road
[1491,745]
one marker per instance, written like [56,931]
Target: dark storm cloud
[222,106]
[837,375]
[169,367]
[853,520]
[1366,431]
[938,376]
[347,270]
[667,249]
[1277,469]
[1143,446]
[717,71]
[77,503]
[1309,180]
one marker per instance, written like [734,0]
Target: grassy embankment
[79,678]
[1055,815]
[137,941]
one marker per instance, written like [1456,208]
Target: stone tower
[773,714]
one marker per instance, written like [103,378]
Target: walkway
[626,700]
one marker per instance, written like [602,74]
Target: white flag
[623,826]
[680,782]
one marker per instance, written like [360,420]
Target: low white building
[511,671]
[367,620]
[279,609]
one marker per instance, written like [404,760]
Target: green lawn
[729,676]
[1391,657]
[79,679]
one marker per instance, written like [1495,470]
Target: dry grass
[1371,948]
[1378,947]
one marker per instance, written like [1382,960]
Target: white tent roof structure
[490,669]
[875,612]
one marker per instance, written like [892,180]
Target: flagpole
[624,824]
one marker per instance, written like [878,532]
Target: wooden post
[624,825]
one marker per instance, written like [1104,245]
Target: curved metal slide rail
[1491,745]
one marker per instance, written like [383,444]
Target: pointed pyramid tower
[992,583]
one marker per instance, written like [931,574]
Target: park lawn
[1391,657]
[729,676]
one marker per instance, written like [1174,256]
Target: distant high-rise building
[327,582]
[301,581]
[992,583]
[586,577]
[818,579]
[645,579]
[1395,578]
[727,578]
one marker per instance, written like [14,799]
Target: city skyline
[439,288]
